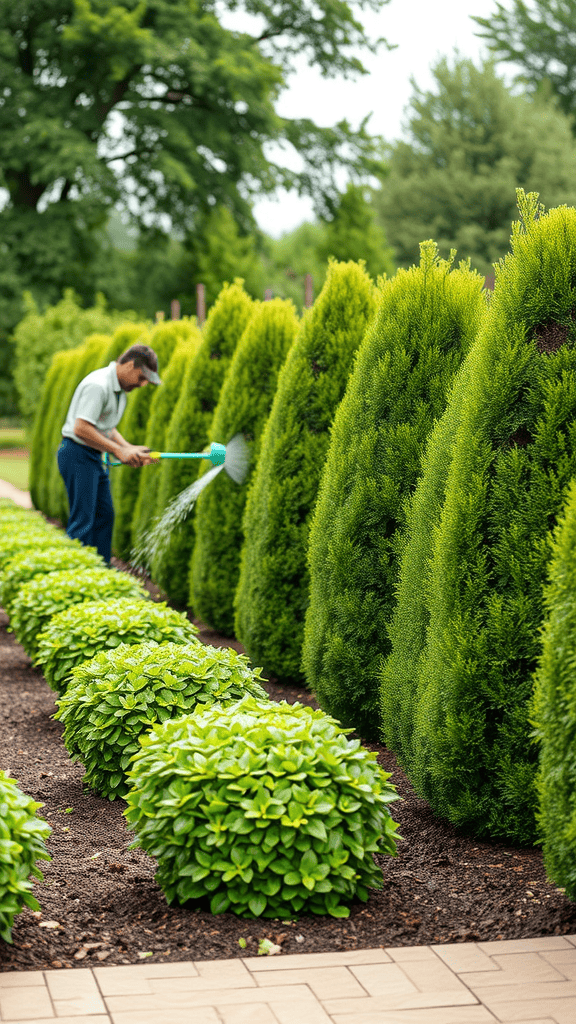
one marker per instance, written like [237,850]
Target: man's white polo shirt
[99,400]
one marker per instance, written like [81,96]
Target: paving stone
[92,1019]
[431,977]
[401,953]
[209,997]
[24,1002]
[341,959]
[546,942]
[15,979]
[564,960]
[384,979]
[135,978]
[514,968]
[78,984]
[325,982]
[300,1011]
[562,1011]
[251,1013]
[439,1015]
[234,975]
[464,956]
[203,1015]
[400,1001]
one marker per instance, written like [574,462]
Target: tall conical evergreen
[164,401]
[42,429]
[427,319]
[126,480]
[272,592]
[243,407]
[514,455]
[190,423]
[554,707]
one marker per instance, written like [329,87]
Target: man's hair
[142,355]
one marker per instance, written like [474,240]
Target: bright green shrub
[79,633]
[427,319]
[39,599]
[30,564]
[18,539]
[554,707]
[266,810]
[22,843]
[407,630]
[126,480]
[121,693]
[272,592]
[164,401]
[243,407]
[511,462]
[190,423]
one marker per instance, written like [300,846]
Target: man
[96,408]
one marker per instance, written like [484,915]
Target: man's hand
[135,455]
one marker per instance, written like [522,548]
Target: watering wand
[216,454]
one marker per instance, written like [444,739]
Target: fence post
[174,310]
[267,295]
[308,291]
[200,304]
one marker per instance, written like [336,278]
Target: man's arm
[129,454]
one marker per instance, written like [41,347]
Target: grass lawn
[12,437]
[14,470]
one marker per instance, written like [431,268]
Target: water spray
[233,458]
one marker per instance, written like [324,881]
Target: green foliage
[163,403]
[22,843]
[354,234]
[39,336]
[221,253]
[554,707]
[41,449]
[470,144]
[539,40]
[79,633]
[190,423]
[264,810]
[289,258]
[126,480]
[272,591]
[426,322]
[512,459]
[39,599]
[31,537]
[243,407]
[118,695]
[31,563]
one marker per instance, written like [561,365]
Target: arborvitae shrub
[82,631]
[164,401]
[44,438]
[30,564]
[243,407]
[120,694]
[272,592]
[39,599]
[264,810]
[512,459]
[408,628]
[554,707]
[22,842]
[190,423]
[426,322]
[126,479]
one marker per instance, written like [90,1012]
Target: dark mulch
[100,902]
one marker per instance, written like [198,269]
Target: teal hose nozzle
[216,455]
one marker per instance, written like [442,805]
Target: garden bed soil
[100,903]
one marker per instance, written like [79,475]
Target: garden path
[526,981]
[8,490]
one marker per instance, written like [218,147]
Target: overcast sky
[423,30]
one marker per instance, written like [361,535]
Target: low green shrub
[30,564]
[31,537]
[80,633]
[121,693]
[22,843]
[40,599]
[264,810]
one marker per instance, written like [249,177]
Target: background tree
[353,233]
[540,39]
[470,144]
[157,109]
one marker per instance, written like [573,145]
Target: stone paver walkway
[527,981]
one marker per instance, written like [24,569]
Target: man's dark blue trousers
[91,510]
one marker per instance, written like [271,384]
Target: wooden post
[308,291]
[267,295]
[200,304]
[174,310]
[159,316]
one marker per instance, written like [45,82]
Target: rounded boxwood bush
[22,843]
[40,599]
[30,564]
[554,707]
[265,810]
[82,631]
[114,698]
